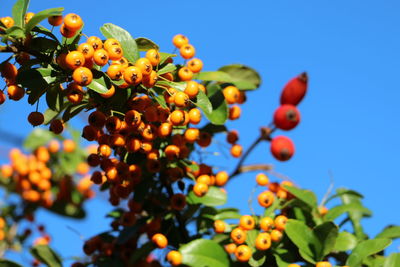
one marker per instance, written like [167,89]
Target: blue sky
[350,116]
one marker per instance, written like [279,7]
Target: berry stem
[237,169]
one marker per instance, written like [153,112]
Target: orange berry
[74,59]
[192,89]
[236,151]
[133,75]
[230,248]
[144,65]
[263,241]
[56,126]
[185,74]
[15,92]
[191,135]
[219,226]
[55,20]
[82,76]
[231,94]
[262,179]
[221,178]
[200,189]
[246,222]
[87,50]
[174,258]
[153,56]
[159,240]
[7,21]
[323,264]
[265,199]
[243,253]
[181,99]
[35,118]
[179,40]
[187,51]
[69,145]
[95,42]
[73,22]
[234,112]
[238,235]
[276,235]
[100,57]
[67,33]
[266,223]
[195,65]
[115,52]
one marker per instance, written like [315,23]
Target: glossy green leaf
[167,68]
[46,255]
[213,129]
[145,44]
[100,83]
[19,11]
[42,30]
[219,113]
[203,103]
[38,17]
[350,208]
[345,241]
[228,213]
[345,192]
[203,252]
[302,236]
[218,76]
[50,115]
[393,260]
[326,233]
[251,236]
[8,263]
[214,197]
[365,249]
[73,110]
[392,232]
[38,137]
[55,97]
[243,77]
[128,44]
[306,196]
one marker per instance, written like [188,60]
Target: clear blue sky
[350,117]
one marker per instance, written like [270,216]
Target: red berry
[282,148]
[294,90]
[286,117]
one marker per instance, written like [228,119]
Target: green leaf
[50,115]
[251,236]
[167,68]
[243,77]
[393,260]
[203,252]
[55,97]
[302,236]
[219,113]
[38,17]
[46,255]
[203,102]
[19,11]
[73,110]
[307,196]
[145,44]
[8,263]
[43,45]
[42,30]
[257,258]
[392,232]
[214,197]
[38,137]
[100,82]
[72,41]
[345,192]
[15,32]
[345,241]
[326,233]
[68,210]
[354,215]
[213,129]
[339,210]
[218,76]
[365,249]
[228,213]
[128,44]
[165,56]
[37,81]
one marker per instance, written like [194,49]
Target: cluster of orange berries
[272,232]
[32,177]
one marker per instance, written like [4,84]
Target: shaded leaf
[393,260]
[350,208]
[19,11]
[38,137]
[100,83]
[145,44]
[345,241]
[243,77]
[392,232]
[8,263]
[167,68]
[219,113]
[306,196]
[46,255]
